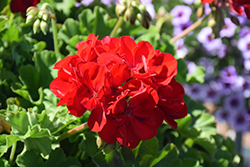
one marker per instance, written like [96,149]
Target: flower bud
[132,16]
[200,11]
[36,26]
[142,7]
[127,14]
[29,19]
[235,20]
[99,142]
[32,11]
[44,27]
[211,22]
[120,9]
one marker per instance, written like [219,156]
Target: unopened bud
[99,142]
[29,19]
[127,14]
[44,27]
[36,26]
[120,9]
[235,20]
[31,8]
[32,11]
[211,22]
[141,7]
[200,11]
[135,3]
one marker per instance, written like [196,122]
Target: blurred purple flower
[229,28]
[247,65]
[181,50]
[194,91]
[191,66]
[181,27]
[222,51]
[244,46]
[212,93]
[211,45]
[229,74]
[88,2]
[243,85]
[189,2]
[234,102]
[239,121]
[244,31]
[222,115]
[181,14]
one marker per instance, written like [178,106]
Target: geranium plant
[105,83]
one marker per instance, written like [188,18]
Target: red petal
[127,49]
[74,102]
[97,119]
[108,132]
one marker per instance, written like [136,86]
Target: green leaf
[185,128]
[58,158]
[148,151]
[114,159]
[29,158]
[19,122]
[197,76]
[208,145]
[166,150]
[99,160]
[40,145]
[69,29]
[205,123]
[11,34]
[4,162]
[6,141]
[171,158]
[88,144]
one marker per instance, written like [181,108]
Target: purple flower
[229,28]
[222,115]
[88,2]
[194,91]
[243,85]
[181,50]
[181,27]
[212,93]
[191,66]
[229,74]
[234,102]
[244,46]
[244,31]
[222,51]
[181,14]
[211,45]
[240,121]
[189,2]
[247,65]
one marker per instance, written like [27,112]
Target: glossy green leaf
[40,145]
[30,158]
[197,76]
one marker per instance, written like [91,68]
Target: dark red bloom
[22,5]
[235,6]
[129,88]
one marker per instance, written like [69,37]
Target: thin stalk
[72,131]
[12,153]
[189,29]
[55,39]
[238,142]
[117,25]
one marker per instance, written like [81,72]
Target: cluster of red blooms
[235,6]
[129,88]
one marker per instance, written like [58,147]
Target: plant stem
[189,29]
[238,142]
[73,131]
[55,40]
[12,154]
[117,25]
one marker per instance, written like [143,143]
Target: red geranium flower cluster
[235,6]
[129,88]
[22,5]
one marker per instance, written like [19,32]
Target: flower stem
[73,131]
[55,39]
[47,6]
[12,153]
[117,25]
[189,29]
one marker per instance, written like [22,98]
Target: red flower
[235,6]
[22,5]
[207,1]
[129,88]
